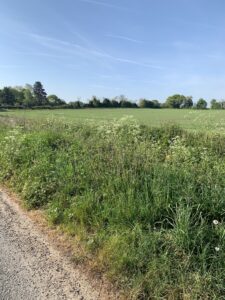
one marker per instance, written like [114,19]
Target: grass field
[146,204]
[203,120]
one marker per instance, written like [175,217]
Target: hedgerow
[147,203]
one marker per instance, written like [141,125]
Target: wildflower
[217,249]
[215,222]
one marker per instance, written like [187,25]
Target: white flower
[215,222]
[217,249]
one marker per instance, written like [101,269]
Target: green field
[210,120]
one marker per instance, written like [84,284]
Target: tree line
[28,96]
[35,96]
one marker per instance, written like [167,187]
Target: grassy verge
[148,204]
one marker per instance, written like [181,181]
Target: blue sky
[140,48]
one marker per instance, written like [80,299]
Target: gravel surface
[30,268]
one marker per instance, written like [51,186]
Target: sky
[139,48]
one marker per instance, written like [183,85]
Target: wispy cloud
[53,42]
[85,41]
[85,52]
[125,38]
[138,63]
[64,46]
[96,2]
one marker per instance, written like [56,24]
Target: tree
[201,104]
[143,103]
[94,102]
[215,104]
[115,103]
[75,104]
[54,100]
[187,102]
[124,102]
[28,98]
[0,96]
[18,94]
[222,104]
[156,104]
[40,95]
[7,96]
[106,103]
[175,101]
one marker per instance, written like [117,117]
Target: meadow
[145,202]
[200,120]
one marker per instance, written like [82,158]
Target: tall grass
[148,203]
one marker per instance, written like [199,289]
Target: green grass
[201,120]
[143,201]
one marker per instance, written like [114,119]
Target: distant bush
[201,104]
[147,203]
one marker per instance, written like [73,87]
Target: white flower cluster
[127,127]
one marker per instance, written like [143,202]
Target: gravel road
[30,267]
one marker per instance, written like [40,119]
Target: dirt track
[30,268]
